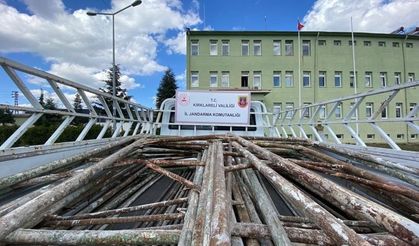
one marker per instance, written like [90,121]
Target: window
[277,109]
[307,110]
[322,42]
[213,79]
[396,44]
[337,42]
[383,79]
[368,79]
[369,109]
[399,110]
[353,116]
[306,48]
[276,79]
[225,48]
[322,79]
[340,136]
[350,42]
[194,47]
[289,48]
[367,43]
[409,45]
[413,136]
[245,79]
[381,44]
[411,107]
[351,79]
[306,79]
[322,112]
[289,107]
[370,136]
[338,111]
[384,113]
[277,47]
[397,76]
[411,77]
[289,79]
[225,79]
[194,79]
[338,79]
[245,47]
[257,48]
[213,47]
[400,136]
[257,79]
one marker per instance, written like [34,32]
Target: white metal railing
[308,118]
[131,118]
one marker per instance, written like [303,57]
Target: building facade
[267,64]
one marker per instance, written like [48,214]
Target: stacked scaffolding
[212,190]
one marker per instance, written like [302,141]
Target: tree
[78,107]
[41,98]
[6,116]
[77,103]
[167,87]
[119,91]
[48,119]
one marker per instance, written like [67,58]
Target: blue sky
[57,36]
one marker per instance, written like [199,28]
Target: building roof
[303,33]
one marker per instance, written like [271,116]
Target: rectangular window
[350,108]
[306,79]
[370,136]
[400,136]
[397,76]
[289,48]
[413,136]
[350,42]
[409,45]
[306,48]
[277,47]
[276,79]
[411,107]
[306,111]
[383,79]
[322,78]
[225,79]
[396,44]
[213,79]
[338,111]
[194,47]
[411,77]
[245,47]
[257,48]
[367,43]
[399,110]
[289,107]
[369,109]
[351,79]
[277,109]
[322,42]
[384,113]
[340,136]
[289,79]
[257,80]
[368,79]
[213,47]
[337,42]
[338,79]
[322,112]
[194,79]
[225,51]
[245,79]
[381,44]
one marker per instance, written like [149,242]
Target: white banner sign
[213,107]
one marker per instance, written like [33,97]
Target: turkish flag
[300,26]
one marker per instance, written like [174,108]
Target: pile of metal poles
[212,190]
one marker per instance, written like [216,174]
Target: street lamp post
[135,3]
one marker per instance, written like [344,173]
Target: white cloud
[368,15]
[177,44]
[181,80]
[79,47]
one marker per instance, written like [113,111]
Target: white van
[259,123]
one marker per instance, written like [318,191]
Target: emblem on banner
[242,102]
[183,99]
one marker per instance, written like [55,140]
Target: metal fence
[316,119]
[130,118]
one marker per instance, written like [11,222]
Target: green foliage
[78,107]
[167,87]
[6,116]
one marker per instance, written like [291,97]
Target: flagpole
[299,68]
[355,77]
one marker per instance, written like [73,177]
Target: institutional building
[267,64]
